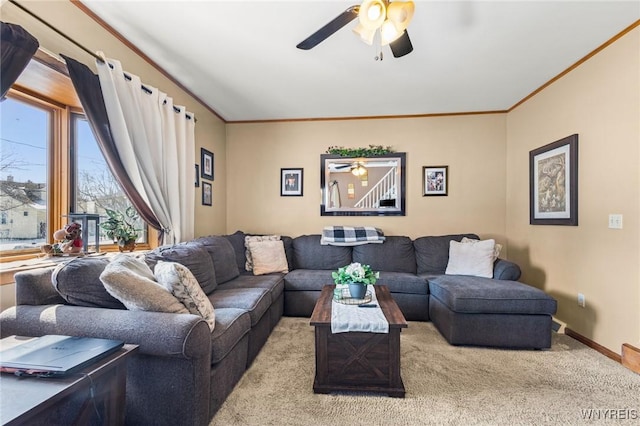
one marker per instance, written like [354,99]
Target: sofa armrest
[506,270]
[158,334]
[33,287]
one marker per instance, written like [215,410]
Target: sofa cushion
[231,326]
[403,282]
[267,257]
[179,280]
[223,256]
[237,242]
[191,254]
[256,301]
[131,281]
[308,253]
[272,282]
[396,254]
[474,295]
[475,259]
[307,279]
[78,282]
[432,253]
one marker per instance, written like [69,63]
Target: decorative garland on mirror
[371,151]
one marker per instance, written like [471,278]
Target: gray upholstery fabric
[308,253]
[396,254]
[272,282]
[78,282]
[223,256]
[190,254]
[231,326]
[256,301]
[403,282]
[307,279]
[505,270]
[33,287]
[484,295]
[432,253]
[237,242]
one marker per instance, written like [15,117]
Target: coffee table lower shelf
[355,361]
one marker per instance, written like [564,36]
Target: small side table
[96,395]
[84,219]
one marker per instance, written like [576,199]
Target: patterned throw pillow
[179,280]
[255,238]
[131,281]
[496,251]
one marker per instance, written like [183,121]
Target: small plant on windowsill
[120,229]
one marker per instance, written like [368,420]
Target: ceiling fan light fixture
[389,32]
[401,13]
[372,13]
[365,34]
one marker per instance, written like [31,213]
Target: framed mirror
[365,186]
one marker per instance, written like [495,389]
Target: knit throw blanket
[351,235]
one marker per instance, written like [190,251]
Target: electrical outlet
[581,300]
[615,221]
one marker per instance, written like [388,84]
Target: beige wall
[69,19]
[472,146]
[600,101]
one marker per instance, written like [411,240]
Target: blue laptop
[55,356]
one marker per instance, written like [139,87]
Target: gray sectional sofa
[183,371]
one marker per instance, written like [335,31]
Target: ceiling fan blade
[401,46]
[323,33]
[343,166]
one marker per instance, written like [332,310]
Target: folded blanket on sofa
[351,235]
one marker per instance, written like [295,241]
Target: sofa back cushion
[396,254]
[78,282]
[191,254]
[308,253]
[432,253]
[223,257]
[237,242]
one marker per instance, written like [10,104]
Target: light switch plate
[615,221]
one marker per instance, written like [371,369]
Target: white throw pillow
[131,281]
[268,257]
[496,252]
[471,259]
[179,280]
[248,265]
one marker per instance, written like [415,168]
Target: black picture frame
[435,181]
[197,178]
[207,194]
[291,182]
[553,183]
[206,164]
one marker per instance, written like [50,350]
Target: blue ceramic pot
[357,291]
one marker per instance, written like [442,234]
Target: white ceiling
[239,57]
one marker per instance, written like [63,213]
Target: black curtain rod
[98,58]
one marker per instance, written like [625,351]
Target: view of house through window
[95,188]
[25,140]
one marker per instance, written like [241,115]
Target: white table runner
[351,318]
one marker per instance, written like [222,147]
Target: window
[26,130]
[94,187]
[50,163]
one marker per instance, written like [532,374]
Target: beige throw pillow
[131,281]
[471,259]
[496,252]
[179,280]
[268,257]
[255,238]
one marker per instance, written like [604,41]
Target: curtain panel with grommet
[16,50]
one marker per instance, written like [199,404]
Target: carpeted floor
[568,384]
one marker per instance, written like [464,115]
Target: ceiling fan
[357,167]
[390,18]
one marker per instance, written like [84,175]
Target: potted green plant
[120,229]
[357,276]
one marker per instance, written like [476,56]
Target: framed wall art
[553,183]
[291,182]
[206,164]
[197,180]
[207,194]
[435,180]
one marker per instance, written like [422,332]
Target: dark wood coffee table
[356,361]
